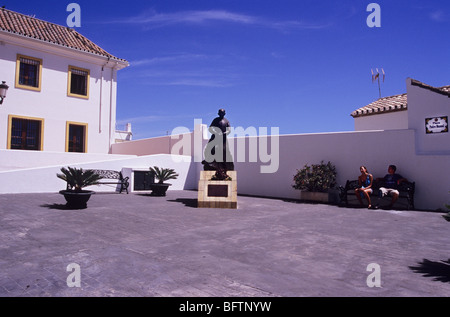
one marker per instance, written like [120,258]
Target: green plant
[164,174]
[316,178]
[77,178]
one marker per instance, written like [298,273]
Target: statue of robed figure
[217,153]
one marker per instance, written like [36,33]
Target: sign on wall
[436,125]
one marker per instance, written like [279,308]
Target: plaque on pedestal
[217,193]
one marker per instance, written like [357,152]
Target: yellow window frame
[85,125]
[69,82]
[17,84]
[10,119]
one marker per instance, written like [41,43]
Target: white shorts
[388,192]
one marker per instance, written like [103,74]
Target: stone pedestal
[217,194]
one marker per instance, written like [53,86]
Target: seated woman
[364,189]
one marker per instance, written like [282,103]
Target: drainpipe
[111,105]
[101,98]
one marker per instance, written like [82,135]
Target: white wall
[15,159]
[164,144]
[424,103]
[52,103]
[44,180]
[346,150]
[382,121]
[158,145]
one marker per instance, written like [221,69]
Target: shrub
[316,178]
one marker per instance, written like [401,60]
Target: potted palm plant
[162,174]
[77,179]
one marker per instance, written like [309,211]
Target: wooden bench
[405,199]
[113,177]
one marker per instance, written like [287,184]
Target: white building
[60,108]
[390,113]
[124,135]
[62,88]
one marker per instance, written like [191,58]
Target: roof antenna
[376,76]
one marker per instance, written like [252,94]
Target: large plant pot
[159,189]
[77,200]
[317,197]
[329,197]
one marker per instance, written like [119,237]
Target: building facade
[62,88]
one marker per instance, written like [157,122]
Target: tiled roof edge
[440,90]
[66,46]
[101,53]
[365,113]
[373,108]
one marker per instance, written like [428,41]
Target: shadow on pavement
[440,270]
[61,207]
[188,202]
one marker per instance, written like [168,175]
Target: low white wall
[348,151]
[44,180]
[18,159]
[159,145]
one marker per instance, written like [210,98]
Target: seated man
[391,182]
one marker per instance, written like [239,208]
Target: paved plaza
[138,245]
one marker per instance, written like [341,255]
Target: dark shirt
[390,180]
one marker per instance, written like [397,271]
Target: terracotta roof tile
[394,103]
[382,105]
[17,23]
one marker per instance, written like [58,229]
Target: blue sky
[302,65]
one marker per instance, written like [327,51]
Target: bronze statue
[217,153]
